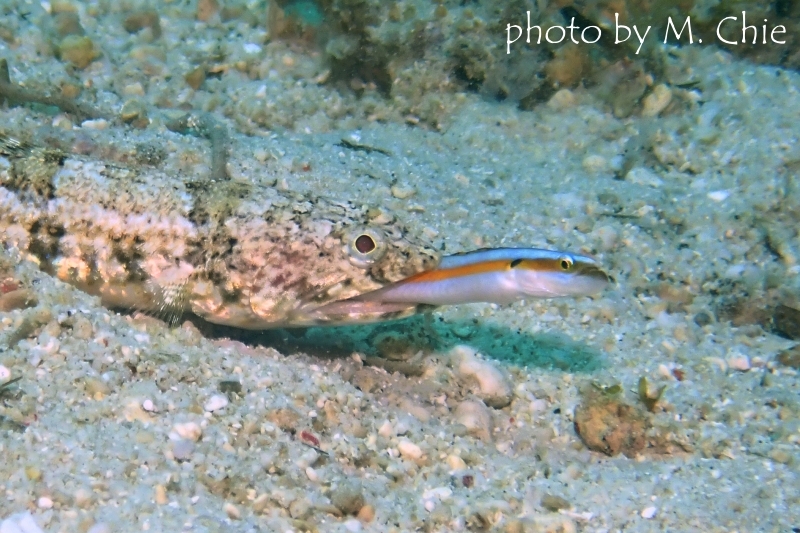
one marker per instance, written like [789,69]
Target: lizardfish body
[499,275]
[246,255]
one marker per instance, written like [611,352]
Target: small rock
[554,503]
[476,417]
[67,23]
[786,322]
[702,319]
[206,9]
[402,192]
[141,19]
[44,503]
[20,523]
[232,511]
[230,386]
[409,450]
[594,164]
[366,514]
[195,77]
[455,463]
[655,102]
[493,386]
[644,176]
[188,430]
[790,357]
[648,512]
[739,362]
[160,495]
[718,196]
[78,50]
[348,497]
[83,498]
[606,424]
[134,112]
[215,403]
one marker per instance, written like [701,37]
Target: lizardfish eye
[365,246]
[565,263]
[364,243]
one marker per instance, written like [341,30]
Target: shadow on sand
[425,332]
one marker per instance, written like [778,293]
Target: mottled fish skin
[233,253]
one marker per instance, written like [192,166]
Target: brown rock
[790,357]
[348,497]
[78,50]
[141,19]
[607,424]
[786,321]
[207,9]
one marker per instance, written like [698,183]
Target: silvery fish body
[235,253]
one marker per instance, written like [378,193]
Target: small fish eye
[364,243]
[566,263]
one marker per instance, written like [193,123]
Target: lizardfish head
[287,256]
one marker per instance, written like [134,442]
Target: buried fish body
[244,254]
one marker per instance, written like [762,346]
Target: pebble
[188,430]
[232,511]
[215,403]
[718,196]
[100,527]
[409,450]
[476,417]
[78,50]
[644,176]
[655,102]
[5,373]
[494,388]
[790,358]
[455,463]
[44,503]
[739,362]
[20,523]
[402,192]
[366,514]
[160,495]
[648,512]
[148,406]
[594,163]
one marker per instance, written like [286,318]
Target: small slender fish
[499,275]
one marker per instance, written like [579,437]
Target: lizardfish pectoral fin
[356,310]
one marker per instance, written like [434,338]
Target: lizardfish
[244,254]
[493,275]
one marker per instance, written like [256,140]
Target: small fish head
[562,276]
